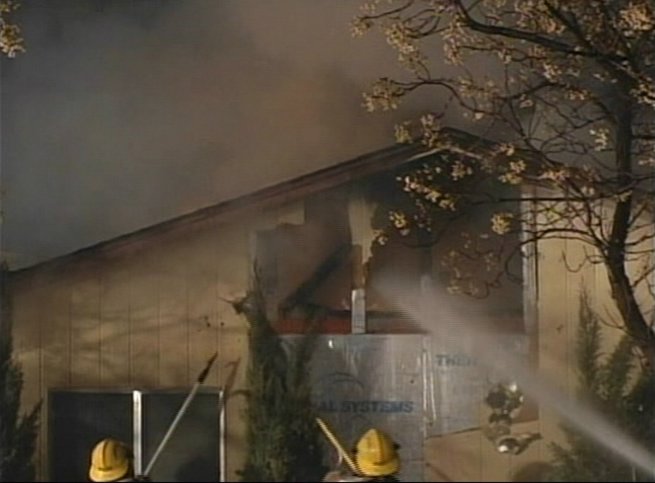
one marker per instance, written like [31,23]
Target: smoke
[123,114]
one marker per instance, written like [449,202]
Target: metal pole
[180,413]
[137,431]
[221,439]
[338,446]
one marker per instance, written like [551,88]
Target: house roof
[299,188]
[286,191]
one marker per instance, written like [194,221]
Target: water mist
[470,336]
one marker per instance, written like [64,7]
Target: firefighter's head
[376,454]
[111,460]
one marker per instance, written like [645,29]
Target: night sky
[129,112]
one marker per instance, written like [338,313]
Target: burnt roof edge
[288,190]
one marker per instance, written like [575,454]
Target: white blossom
[637,17]
[645,91]
[447,202]
[11,39]
[501,222]
[460,170]
[398,219]
[556,174]
[402,134]
[360,26]
[601,138]
[384,95]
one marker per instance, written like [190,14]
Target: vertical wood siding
[147,317]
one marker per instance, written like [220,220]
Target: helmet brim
[388,468]
[114,474]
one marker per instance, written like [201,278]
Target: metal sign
[456,383]
[411,386]
[365,381]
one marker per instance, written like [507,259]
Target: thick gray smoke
[125,113]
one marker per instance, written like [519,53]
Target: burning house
[143,312]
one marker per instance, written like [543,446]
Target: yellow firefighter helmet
[376,454]
[110,461]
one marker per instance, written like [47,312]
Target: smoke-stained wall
[145,315]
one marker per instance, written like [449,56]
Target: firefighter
[376,458]
[111,460]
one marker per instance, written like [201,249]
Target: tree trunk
[633,318]
[623,291]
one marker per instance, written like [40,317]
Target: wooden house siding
[149,319]
[147,310]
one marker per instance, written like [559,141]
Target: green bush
[622,390]
[282,435]
[17,432]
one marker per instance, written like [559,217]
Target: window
[78,419]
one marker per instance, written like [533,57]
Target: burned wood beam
[303,310]
[309,286]
[372,314]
